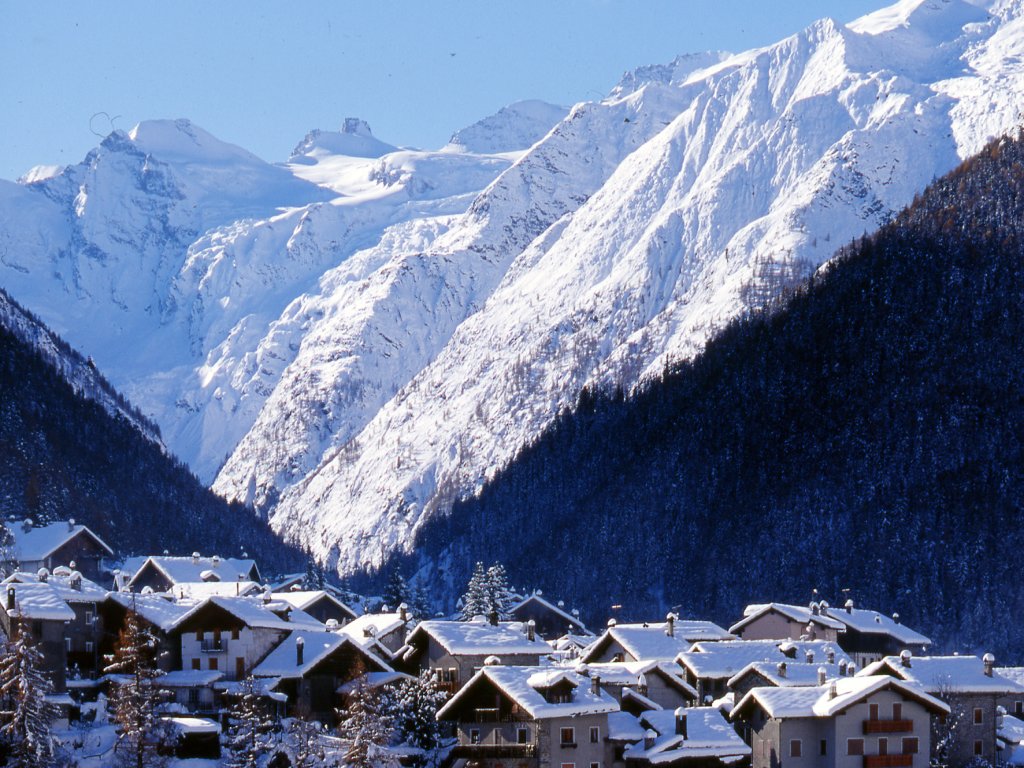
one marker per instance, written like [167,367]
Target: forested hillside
[864,435]
[82,451]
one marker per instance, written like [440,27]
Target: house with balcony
[453,651]
[161,572]
[233,634]
[708,667]
[972,689]
[531,717]
[869,721]
[31,547]
[692,737]
[550,620]
[651,642]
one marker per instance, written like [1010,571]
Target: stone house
[785,674]
[382,633]
[872,721]
[38,609]
[31,547]
[454,651]
[527,717]
[972,689]
[651,642]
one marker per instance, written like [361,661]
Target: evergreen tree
[412,706]
[419,603]
[250,728]
[475,601]
[135,695]
[396,591]
[366,728]
[26,715]
[500,598]
[304,738]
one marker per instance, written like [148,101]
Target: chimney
[266,596]
[833,690]
[403,612]
[26,526]
[809,656]
[670,625]
[611,623]
[896,618]
[595,684]
[10,599]
[849,605]
[300,646]
[649,738]
[905,658]
[989,661]
[216,561]
[814,609]
[842,668]
[681,722]
[831,656]
[781,667]
[531,630]
[71,523]
[195,558]
[821,675]
[492,617]
[42,574]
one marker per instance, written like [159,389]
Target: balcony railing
[494,750]
[212,646]
[888,761]
[888,726]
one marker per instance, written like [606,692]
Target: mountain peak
[512,128]
[355,126]
[182,140]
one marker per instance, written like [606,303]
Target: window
[823,748]
[873,710]
[89,617]
[978,747]
[67,644]
[89,646]
[239,668]
[216,636]
[883,746]
[1018,707]
[595,734]
[795,748]
[910,745]
[522,736]
[979,716]
[567,737]
[193,696]
[199,635]
[855,746]
[897,711]
[568,765]
[595,765]
[213,662]
[474,735]
[195,664]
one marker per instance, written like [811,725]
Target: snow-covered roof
[364,629]
[303,599]
[796,673]
[875,623]
[262,686]
[538,599]
[479,638]
[797,613]
[953,674]
[37,542]
[523,685]
[253,612]
[708,735]
[316,646]
[189,569]
[373,680]
[158,610]
[818,701]
[623,726]
[200,590]
[1012,673]
[192,724]
[725,659]
[190,678]
[646,642]
[1011,730]
[38,600]
[61,580]
[628,672]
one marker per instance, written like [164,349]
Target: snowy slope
[515,127]
[770,160]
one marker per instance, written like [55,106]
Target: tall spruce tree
[26,714]
[500,597]
[250,728]
[135,695]
[366,728]
[412,706]
[475,601]
[396,591]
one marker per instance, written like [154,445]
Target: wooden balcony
[887,761]
[888,726]
[212,646]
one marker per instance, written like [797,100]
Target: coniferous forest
[862,437]
[66,456]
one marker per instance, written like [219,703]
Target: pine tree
[396,591]
[250,728]
[499,594]
[134,695]
[26,715]
[475,601]
[304,737]
[412,706]
[366,728]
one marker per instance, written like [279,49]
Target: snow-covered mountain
[352,339]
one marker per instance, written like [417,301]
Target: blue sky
[261,74]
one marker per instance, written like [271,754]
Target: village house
[1013,703]
[455,650]
[31,547]
[550,621]
[694,737]
[193,690]
[161,573]
[38,609]
[320,604]
[640,686]
[872,721]
[779,621]
[785,674]
[651,642]
[313,667]
[971,688]
[233,634]
[159,615]
[708,667]
[381,633]
[529,717]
